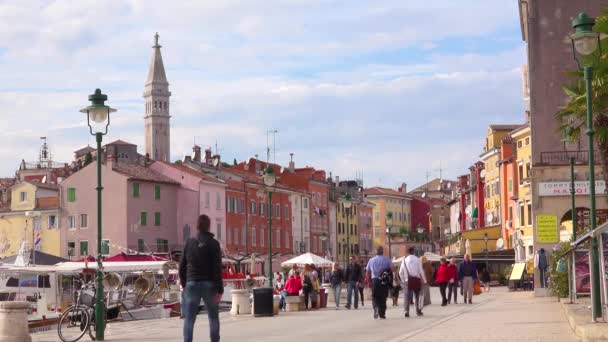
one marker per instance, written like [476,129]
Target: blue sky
[388,88]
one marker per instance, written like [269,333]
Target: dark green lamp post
[584,43]
[347,204]
[389,224]
[98,120]
[269,180]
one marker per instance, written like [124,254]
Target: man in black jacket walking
[353,276]
[200,273]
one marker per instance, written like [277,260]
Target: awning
[308,258]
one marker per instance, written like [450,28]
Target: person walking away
[316,287]
[353,276]
[396,286]
[540,262]
[362,283]
[485,277]
[279,287]
[468,273]
[413,276]
[428,275]
[293,286]
[201,271]
[377,270]
[306,284]
[336,278]
[453,283]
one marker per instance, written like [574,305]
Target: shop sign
[563,188]
[547,229]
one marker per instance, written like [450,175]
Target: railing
[563,157]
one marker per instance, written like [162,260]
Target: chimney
[337,180]
[188,159]
[197,153]
[208,156]
[292,165]
[403,188]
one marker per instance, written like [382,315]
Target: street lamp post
[420,231]
[99,114]
[347,204]
[485,240]
[269,180]
[585,42]
[389,223]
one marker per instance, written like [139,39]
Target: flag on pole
[38,239]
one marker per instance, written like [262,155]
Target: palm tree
[572,117]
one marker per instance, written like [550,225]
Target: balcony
[563,157]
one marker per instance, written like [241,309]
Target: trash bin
[263,302]
[322,299]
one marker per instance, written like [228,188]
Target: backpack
[386,279]
[307,284]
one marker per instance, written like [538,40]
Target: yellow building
[33,216]
[473,240]
[347,230]
[522,217]
[490,158]
[398,203]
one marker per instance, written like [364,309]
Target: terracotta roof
[378,191]
[84,150]
[193,172]
[42,185]
[47,202]
[142,173]
[120,142]
[504,127]
[434,185]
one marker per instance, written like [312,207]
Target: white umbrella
[308,258]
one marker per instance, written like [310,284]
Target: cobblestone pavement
[496,316]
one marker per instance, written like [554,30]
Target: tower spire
[156,41]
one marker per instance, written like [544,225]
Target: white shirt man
[411,267]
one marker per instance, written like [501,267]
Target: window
[510,213]
[71,195]
[521,174]
[529,213]
[84,221]
[157,218]
[521,215]
[37,223]
[84,248]
[262,209]
[244,237]
[242,206]
[376,231]
[135,189]
[278,210]
[218,201]
[143,219]
[52,222]
[287,212]
[105,247]
[162,245]
[253,236]
[141,245]
[71,248]
[277,237]
[519,144]
[157,192]
[528,170]
[71,222]
[376,216]
[510,185]
[305,203]
[23,196]
[527,141]
[207,199]
[262,237]
[254,207]
[286,239]
[219,231]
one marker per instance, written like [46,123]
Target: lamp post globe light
[584,43]
[99,114]
[269,180]
[389,225]
[348,203]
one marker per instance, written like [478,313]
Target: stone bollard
[13,322]
[240,303]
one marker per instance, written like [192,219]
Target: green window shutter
[141,246]
[84,248]
[71,194]
[105,247]
[157,192]
[162,245]
[135,189]
[144,218]
[157,218]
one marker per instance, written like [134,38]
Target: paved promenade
[497,316]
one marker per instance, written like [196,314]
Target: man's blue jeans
[194,292]
[352,287]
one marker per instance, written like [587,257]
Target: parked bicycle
[79,318]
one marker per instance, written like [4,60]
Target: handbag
[413,283]
[476,288]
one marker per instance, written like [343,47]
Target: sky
[390,90]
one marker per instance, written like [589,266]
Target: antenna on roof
[440,172]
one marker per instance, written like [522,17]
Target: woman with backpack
[306,284]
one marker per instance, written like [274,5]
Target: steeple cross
[156,40]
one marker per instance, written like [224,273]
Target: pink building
[198,194]
[139,210]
